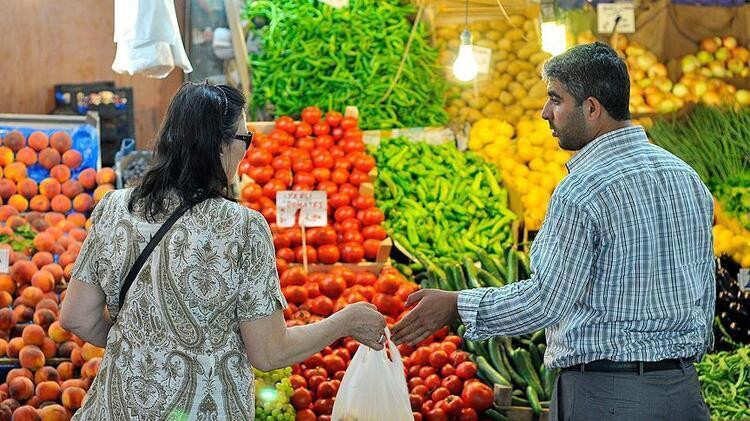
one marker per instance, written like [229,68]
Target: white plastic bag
[373,388]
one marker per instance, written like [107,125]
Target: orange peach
[7,319]
[33,335]
[78,234]
[60,203]
[74,383]
[23,312]
[53,412]
[19,202]
[3,347]
[43,280]
[60,173]
[46,374]
[90,368]
[72,188]
[67,258]
[27,188]
[72,397]
[48,303]
[87,178]
[11,403]
[65,370]
[61,141]
[26,155]
[44,318]
[7,211]
[53,268]
[83,202]
[49,157]
[89,352]
[19,372]
[6,156]
[15,171]
[39,203]
[49,348]
[21,388]
[26,413]
[5,299]
[32,295]
[15,222]
[23,270]
[76,358]
[6,414]
[76,219]
[50,188]
[14,140]
[57,333]
[72,158]
[101,191]
[66,348]
[14,347]
[74,247]
[31,357]
[68,272]
[7,188]
[48,391]
[38,141]
[51,296]
[106,175]
[42,258]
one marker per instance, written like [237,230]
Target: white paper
[4,260]
[484,58]
[607,13]
[312,207]
[338,4]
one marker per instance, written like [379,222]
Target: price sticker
[484,58]
[4,260]
[311,205]
[338,4]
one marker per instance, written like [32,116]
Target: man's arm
[562,260]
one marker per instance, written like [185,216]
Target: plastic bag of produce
[374,387]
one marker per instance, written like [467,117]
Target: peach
[14,347]
[78,234]
[50,188]
[83,202]
[68,272]
[90,368]
[5,299]
[60,173]
[72,188]
[32,295]
[6,156]
[34,402]
[75,247]
[26,155]
[14,222]
[6,414]
[80,342]
[76,219]
[89,352]
[27,188]
[65,370]
[49,157]
[60,203]
[51,296]
[23,270]
[38,141]
[66,348]
[106,175]
[42,258]
[7,211]
[61,141]
[31,357]
[14,140]
[21,388]
[87,178]
[26,413]
[39,225]
[101,191]
[76,358]
[19,202]
[57,333]
[49,348]
[74,383]
[72,158]
[44,318]
[53,412]
[15,171]
[46,374]
[19,372]
[7,188]
[7,319]
[48,391]
[33,335]
[55,269]
[3,347]
[39,203]
[43,280]
[67,258]
[72,397]
[48,303]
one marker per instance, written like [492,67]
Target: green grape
[272,392]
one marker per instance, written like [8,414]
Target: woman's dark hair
[200,119]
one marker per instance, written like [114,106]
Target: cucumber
[515,400]
[533,398]
[549,376]
[458,277]
[495,416]
[490,373]
[446,281]
[471,273]
[488,264]
[489,279]
[536,358]
[511,266]
[525,264]
[496,358]
[538,337]
[542,349]
[481,349]
[461,331]
[522,360]
[519,393]
[517,379]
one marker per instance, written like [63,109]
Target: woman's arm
[270,344]
[83,313]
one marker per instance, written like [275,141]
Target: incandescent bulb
[553,38]
[465,67]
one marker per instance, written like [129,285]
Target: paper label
[484,58]
[743,278]
[312,207]
[4,260]
[607,14]
[338,4]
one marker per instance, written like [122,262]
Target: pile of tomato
[317,153]
[441,378]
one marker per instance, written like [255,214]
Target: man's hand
[435,309]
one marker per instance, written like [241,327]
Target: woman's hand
[365,324]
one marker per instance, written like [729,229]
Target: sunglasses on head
[247,138]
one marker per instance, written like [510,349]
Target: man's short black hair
[593,70]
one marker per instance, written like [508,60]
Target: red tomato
[301,398]
[441,333]
[387,283]
[297,381]
[337,133]
[372,216]
[458,357]
[322,306]
[420,356]
[295,294]
[416,402]
[261,175]
[324,142]
[313,362]
[286,254]
[468,414]
[325,391]
[339,200]
[448,347]
[417,416]
[438,359]
[311,114]
[252,192]
[366,279]
[340,176]
[477,395]
[303,165]
[371,248]
[312,254]
[259,157]
[285,123]
[339,375]
[453,405]
[428,406]
[323,406]
[321,174]
[244,167]
[447,370]
[344,212]
[281,163]
[436,414]
[326,235]
[332,286]
[323,160]
[374,232]
[329,187]
[328,254]
[432,381]
[453,383]
[466,370]
[351,224]
[440,393]
[313,290]
[358,177]
[303,177]
[349,123]
[421,390]
[426,371]
[305,143]
[303,129]
[363,202]
[387,304]
[456,340]
[333,118]
[306,415]
[321,128]
[353,236]
[344,354]
[414,381]
[365,163]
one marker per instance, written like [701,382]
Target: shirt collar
[620,136]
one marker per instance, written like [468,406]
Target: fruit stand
[430,182]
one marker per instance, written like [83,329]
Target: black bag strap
[147,251]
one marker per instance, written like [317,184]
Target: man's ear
[592,108]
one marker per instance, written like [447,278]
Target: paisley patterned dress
[175,351]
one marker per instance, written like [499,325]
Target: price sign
[608,13]
[312,207]
[338,4]
[743,278]
[4,260]
[484,58]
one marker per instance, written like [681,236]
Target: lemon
[537,164]
[520,184]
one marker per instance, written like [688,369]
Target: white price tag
[607,14]
[312,207]
[338,4]
[743,278]
[484,58]
[4,260]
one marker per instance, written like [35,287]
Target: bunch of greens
[725,383]
[314,54]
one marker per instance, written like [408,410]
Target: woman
[207,303]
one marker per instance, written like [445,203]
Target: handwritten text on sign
[312,207]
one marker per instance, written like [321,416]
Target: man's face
[565,117]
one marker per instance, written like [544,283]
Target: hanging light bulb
[465,67]
[553,38]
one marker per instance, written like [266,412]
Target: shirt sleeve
[260,290]
[709,304]
[562,259]
[86,267]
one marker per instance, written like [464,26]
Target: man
[623,269]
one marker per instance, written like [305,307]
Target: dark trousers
[654,395]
